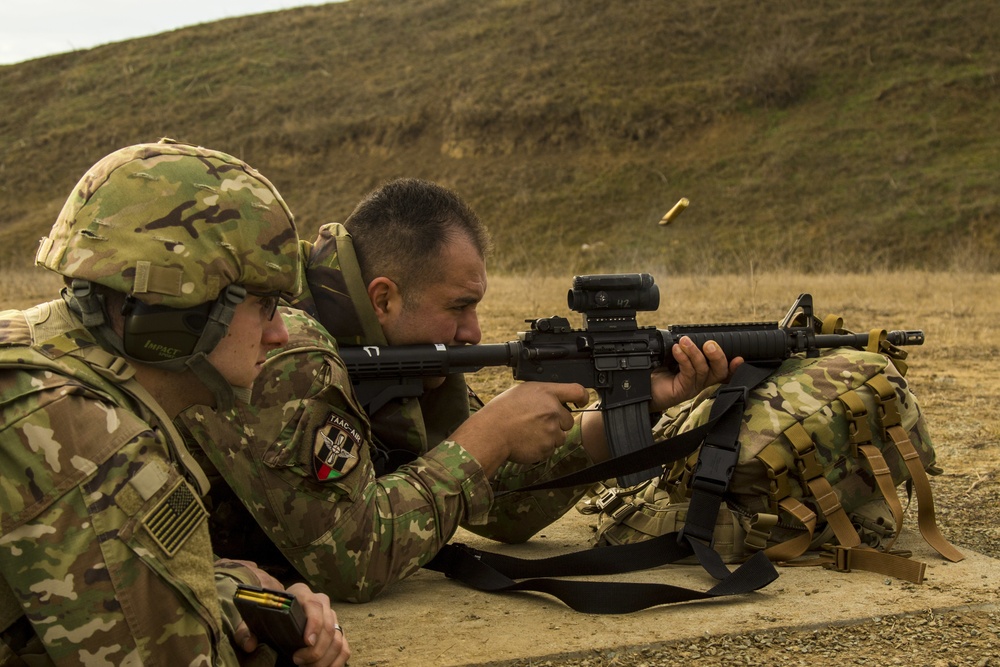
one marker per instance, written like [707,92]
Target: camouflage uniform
[105,554]
[321,479]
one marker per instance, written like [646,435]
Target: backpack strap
[856,556]
[860,437]
[718,457]
[618,504]
[926,521]
[849,553]
[892,424]
[780,499]
[898,565]
[883,477]
[797,546]
[122,373]
[810,473]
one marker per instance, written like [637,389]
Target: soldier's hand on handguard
[524,424]
[697,369]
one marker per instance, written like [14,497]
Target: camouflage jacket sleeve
[299,456]
[512,518]
[228,575]
[104,545]
[515,517]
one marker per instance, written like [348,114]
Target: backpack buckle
[606,499]
[841,558]
[714,468]
[614,505]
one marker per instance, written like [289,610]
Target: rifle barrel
[371,361]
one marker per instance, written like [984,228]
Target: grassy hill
[843,136]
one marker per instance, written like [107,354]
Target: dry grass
[22,288]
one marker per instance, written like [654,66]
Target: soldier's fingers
[718,367]
[566,421]
[345,653]
[245,639]
[319,619]
[567,418]
[571,393]
[691,363]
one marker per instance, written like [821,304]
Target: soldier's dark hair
[400,229]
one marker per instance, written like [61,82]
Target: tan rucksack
[825,443]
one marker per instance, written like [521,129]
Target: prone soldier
[174,258]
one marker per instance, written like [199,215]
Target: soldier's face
[240,355]
[445,311]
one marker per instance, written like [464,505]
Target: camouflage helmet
[174,224]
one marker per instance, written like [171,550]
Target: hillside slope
[846,135]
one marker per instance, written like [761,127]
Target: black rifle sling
[717,458]
[492,572]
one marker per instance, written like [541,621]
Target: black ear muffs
[160,333]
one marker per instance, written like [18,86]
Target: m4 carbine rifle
[610,354]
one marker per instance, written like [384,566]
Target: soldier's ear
[385,297]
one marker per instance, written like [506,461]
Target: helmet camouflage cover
[174,224]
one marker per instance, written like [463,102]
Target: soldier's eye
[268,302]
[268,306]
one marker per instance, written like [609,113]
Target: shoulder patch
[175,518]
[335,448]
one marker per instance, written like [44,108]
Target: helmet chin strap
[85,302]
[225,393]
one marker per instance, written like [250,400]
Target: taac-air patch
[335,448]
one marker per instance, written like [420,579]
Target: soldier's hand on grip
[523,424]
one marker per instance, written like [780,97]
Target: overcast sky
[35,28]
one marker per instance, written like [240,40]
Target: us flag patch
[335,448]
[175,518]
